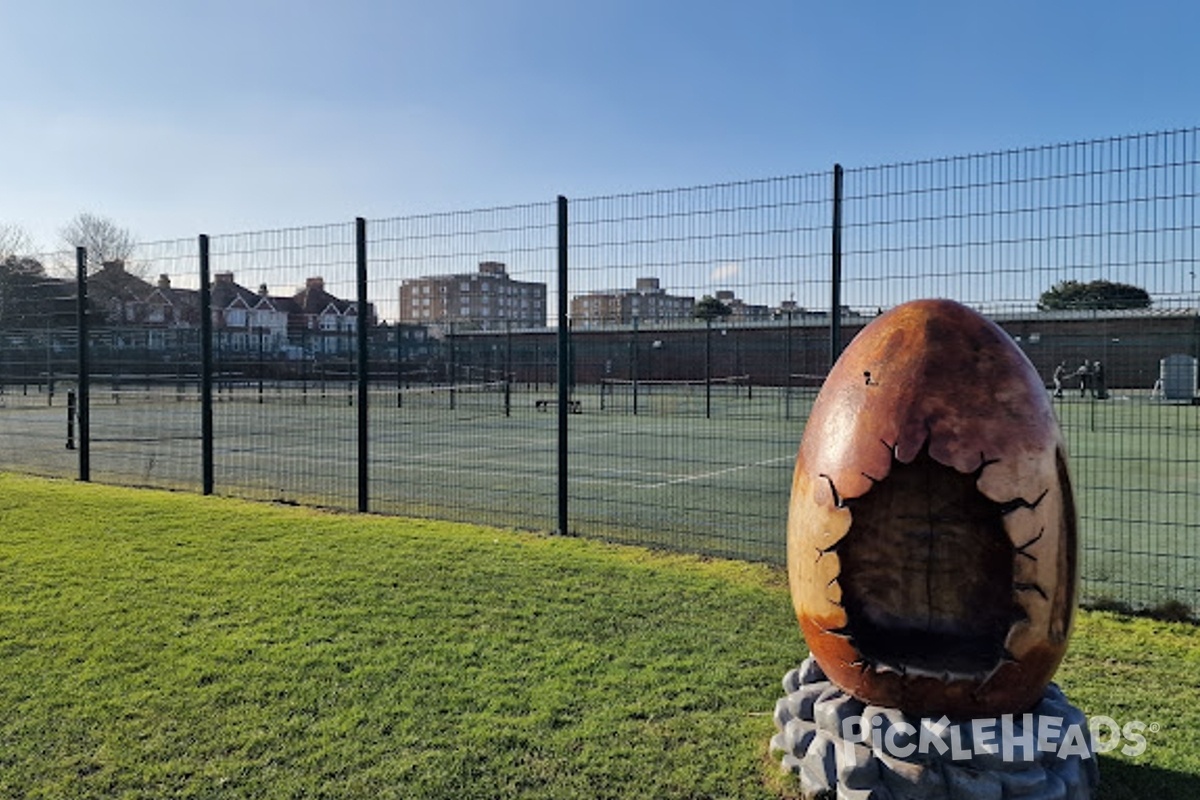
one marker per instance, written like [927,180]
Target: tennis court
[666,476]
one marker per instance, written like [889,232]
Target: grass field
[169,645]
[667,476]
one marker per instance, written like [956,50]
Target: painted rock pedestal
[931,554]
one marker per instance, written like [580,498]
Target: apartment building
[740,310]
[647,301]
[485,300]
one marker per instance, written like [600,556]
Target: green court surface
[667,476]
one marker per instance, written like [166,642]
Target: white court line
[606,477]
[634,479]
[715,473]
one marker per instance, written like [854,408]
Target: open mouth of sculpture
[926,572]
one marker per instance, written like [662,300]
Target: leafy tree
[709,308]
[105,240]
[1093,295]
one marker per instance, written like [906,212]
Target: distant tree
[1093,295]
[105,240]
[14,241]
[709,308]
[30,297]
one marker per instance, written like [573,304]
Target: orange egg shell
[951,611]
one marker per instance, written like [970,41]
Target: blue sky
[179,117]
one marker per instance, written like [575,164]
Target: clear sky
[175,117]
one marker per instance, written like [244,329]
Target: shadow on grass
[1126,780]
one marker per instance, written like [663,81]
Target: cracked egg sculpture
[931,533]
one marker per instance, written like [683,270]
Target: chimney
[315,284]
[491,267]
[262,290]
[164,281]
[116,265]
[223,277]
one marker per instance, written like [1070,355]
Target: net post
[787,387]
[633,364]
[71,411]
[708,367]
[508,367]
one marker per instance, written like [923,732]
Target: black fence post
[835,278]
[206,372]
[364,319]
[564,371]
[84,378]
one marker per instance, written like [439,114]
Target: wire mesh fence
[682,306]
[38,347]
[144,376]
[455,439]
[638,365]
[1000,231]
[284,364]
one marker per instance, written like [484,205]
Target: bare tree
[105,240]
[14,241]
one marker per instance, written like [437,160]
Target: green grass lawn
[169,645]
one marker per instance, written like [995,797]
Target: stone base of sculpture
[843,749]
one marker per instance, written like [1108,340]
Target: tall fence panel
[463,368]
[143,339]
[285,365]
[38,364]
[996,232]
[693,362]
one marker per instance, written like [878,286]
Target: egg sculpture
[932,541]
